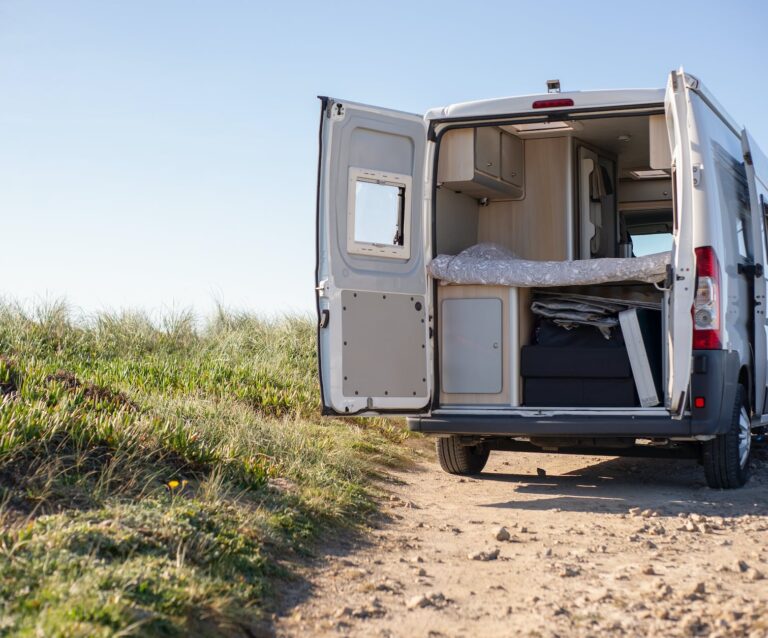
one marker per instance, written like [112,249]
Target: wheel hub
[745,437]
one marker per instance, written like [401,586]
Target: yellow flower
[173,484]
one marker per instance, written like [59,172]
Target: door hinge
[748,158]
[322,288]
[698,171]
[692,82]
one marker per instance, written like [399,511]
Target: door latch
[751,270]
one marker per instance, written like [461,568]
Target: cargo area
[551,245]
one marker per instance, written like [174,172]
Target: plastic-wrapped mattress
[495,265]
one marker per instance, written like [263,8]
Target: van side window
[651,244]
[379,214]
[734,198]
[764,209]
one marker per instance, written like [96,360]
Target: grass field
[156,479]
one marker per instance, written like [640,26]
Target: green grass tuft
[155,477]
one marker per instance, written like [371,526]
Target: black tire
[726,457]
[461,459]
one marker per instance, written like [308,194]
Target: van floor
[599,546]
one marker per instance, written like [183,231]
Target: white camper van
[579,272]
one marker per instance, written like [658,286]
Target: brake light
[706,305]
[551,104]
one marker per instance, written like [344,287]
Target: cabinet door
[471,354]
[488,150]
[512,163]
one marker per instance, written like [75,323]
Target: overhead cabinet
[488,151]
[483,162]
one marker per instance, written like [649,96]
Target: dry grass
[154,479]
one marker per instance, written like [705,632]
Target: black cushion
[575,362]
[596,393]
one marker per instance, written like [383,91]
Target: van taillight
[706,305]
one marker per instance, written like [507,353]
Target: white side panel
[638,358]
[659,142]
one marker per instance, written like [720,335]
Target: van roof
[524,103]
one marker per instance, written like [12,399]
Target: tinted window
[734,198]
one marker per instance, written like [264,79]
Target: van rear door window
[378,214]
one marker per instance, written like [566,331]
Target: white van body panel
[372,297]
[523,103]
[721,157]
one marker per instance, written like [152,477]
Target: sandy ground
[597,546]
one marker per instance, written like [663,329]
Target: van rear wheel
[726,457]
[456,458]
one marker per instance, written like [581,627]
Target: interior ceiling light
[648,174]
[542,127]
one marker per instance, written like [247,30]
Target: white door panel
[680,324]
[374,342]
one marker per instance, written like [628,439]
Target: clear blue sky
[161,154]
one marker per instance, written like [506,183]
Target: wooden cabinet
[480,351]
[488,151]
[512,163]
[483,162]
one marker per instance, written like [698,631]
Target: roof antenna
[553,86]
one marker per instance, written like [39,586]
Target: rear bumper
[714,376]
[564,425]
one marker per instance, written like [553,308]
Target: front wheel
[726,457]
[456,458]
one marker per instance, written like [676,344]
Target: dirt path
[597,547]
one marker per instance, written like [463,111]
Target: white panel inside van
[661,156]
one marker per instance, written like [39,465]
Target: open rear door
[373,336]
[756,165]
[686,179]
